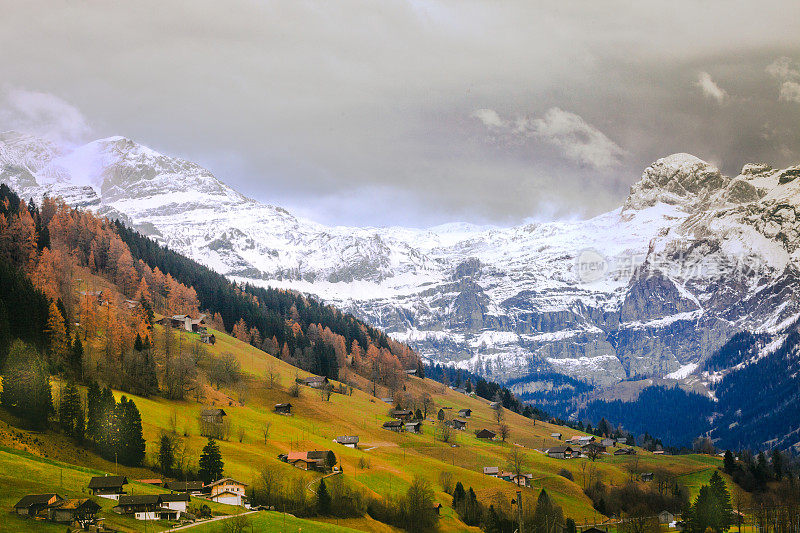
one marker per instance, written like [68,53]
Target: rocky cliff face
[691,257]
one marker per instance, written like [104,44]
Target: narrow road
[215,519]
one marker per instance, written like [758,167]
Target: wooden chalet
[440,415]
[33,504]
[413,372]
[350,441]
[625,451]
[401,414]
[108,486]
[413,427]
[648,476]
[556,436]
[458,424]
[283,408]
[208,338]
[665,517]
[393,425]
[560,452]
[316,382]
[140,506]
[213,415]
[466,413]
[81,510]
[491,471]
[189,487]
[486,434]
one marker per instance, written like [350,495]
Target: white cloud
[577,139]
[789,75]
[489,117]
[42,114]
[710,88]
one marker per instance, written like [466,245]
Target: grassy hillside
[394,459]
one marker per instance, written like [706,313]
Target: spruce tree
[166,453]
[210,465]
[323,499]
[724,509]
[93,411]
[131,444]
[728,462]
[69,410]
[458,495]
[76,358]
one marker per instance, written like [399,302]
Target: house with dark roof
[466,413]
[300,460]
[33,504]
[393,425]
[523,480]
[351,441]
[648,476]
[665,517]
[176,501]
[208,338]
[189,487]
[491,471]
[440,415]
[556,436]
[486,434]
[401,414]
[107,486]
[458,424]
[213,415]
[81,510]
[325,458]
[560,452]
[316,382]
[140,506]
[625,451]
[283,408]
[413,427]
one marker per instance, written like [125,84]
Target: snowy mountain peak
[643,290]
[678,179]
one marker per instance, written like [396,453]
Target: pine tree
[70,411]
[210,465]
[130,444]
[76,358]
[777,463]
[323,499]
[458,495]
[166,453]
[93,411]
[728,462]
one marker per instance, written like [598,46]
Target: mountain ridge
[690,258]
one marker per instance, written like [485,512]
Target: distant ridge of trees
[266,317]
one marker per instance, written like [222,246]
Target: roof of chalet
[226,480]
[175,497]
[36,499]
[347,439]
[559,449]
[74,504]
[491,469]
[183,486]
[486,433]
[107,482]
[140,499]
[392,424]
[212,412]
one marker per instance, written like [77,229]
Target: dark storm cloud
[415,112]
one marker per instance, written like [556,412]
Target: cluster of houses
[523,480]
[170,505]
[403,421]
[584,446]
[187,323]
[315,460]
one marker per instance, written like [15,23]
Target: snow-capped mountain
[651,288]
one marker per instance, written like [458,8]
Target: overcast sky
[414,112]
